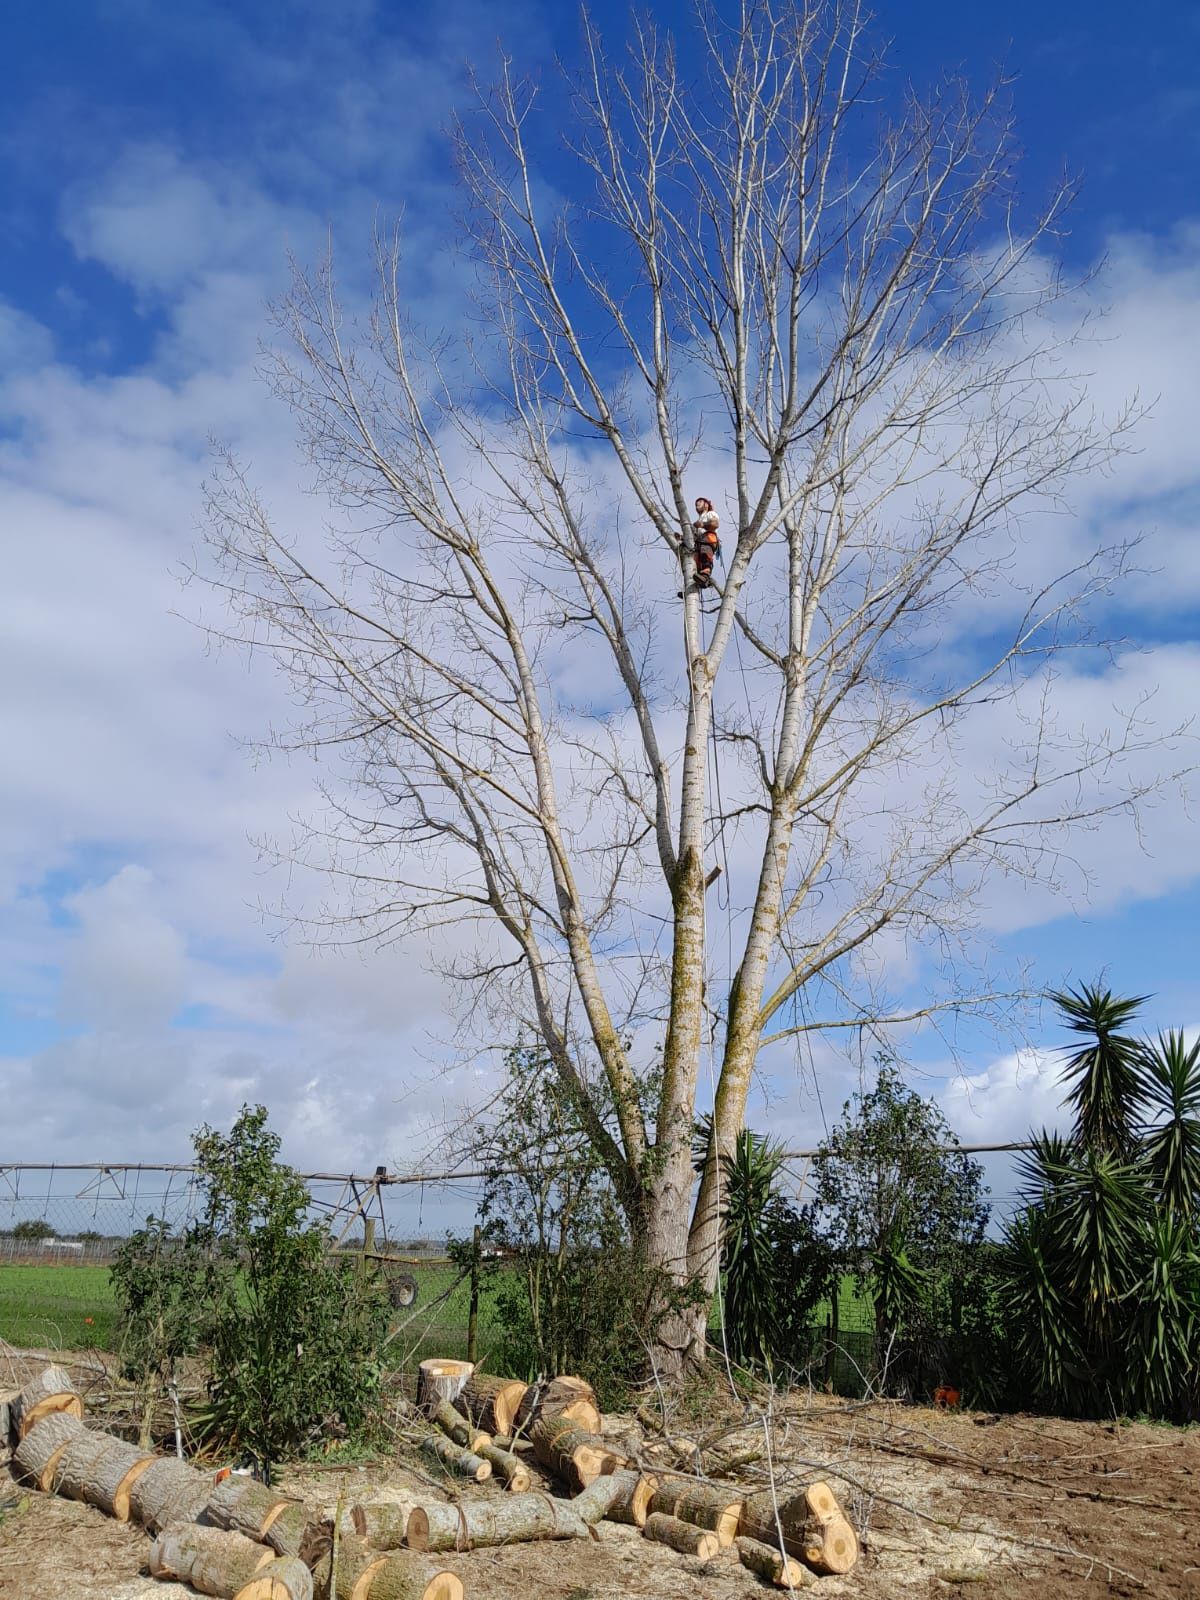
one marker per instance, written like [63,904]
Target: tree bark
[51,1391]
[492,1402]
[103,1477]
[560,1397]
[703,1505]
[38,1453]
[209,1559]
[285,1578]
[484,1523]
[457,1428]
[771,1564]
[457,1459]
[513,1473]
[571,1453]
[685,1537]
[631,1500]
[168,1491]
[815,1528]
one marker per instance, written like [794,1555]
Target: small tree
[569,1293]
[906,1211]
[35,1228]
[159,1281]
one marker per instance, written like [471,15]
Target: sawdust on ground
[949,1503]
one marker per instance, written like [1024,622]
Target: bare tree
[760,277]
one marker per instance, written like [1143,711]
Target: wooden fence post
[473,1314]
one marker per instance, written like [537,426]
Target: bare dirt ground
[947,1504]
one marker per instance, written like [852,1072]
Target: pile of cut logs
[238,1539]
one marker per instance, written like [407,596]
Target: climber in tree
[707,546]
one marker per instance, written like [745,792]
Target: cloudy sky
[159,165]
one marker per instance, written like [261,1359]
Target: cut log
[458,1460]
[769,1563]
[484,1523]
[705,1505]
[561,1397]
[625,1495]
[7,1396]
[285,1578]
[513,1474]
[830,1544]
[51,1391]
[573,1454]
[168,1491]
[456,1427]
[441,1379]
[102,1477]
[815,1528]
[364,1574]
[384,1527]
[36,1457]
[209,1559]
[262,1514]
[492,1403]
[685,1537]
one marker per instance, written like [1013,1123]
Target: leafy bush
[291,1335]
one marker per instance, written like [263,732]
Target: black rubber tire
[402,1290]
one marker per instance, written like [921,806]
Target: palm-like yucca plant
[1165,1304]
[1103,1071]
[1170,1074]
[749,1172]
[1038,1311]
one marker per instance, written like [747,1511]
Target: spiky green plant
[1103,1071]
[1170,1074]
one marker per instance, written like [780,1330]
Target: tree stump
[37,1455]
[209,1559]
[492,1403]
[573,1454]
[624,1495]
[285,1578]
[50,1392]
[441,1379]
[364,1574]
[168,1491]
[484,1523]
[458,1460]
[772,1564]
[704,1505]
[685,1537]
[561,1397]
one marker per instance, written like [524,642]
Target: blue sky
[158,164]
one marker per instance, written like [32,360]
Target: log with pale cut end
[484,1523]
[168,1491]
[492,1403]
[815,1528]
[99,1469]
[706,1505]
[401,1575]
[621,1496]
[685,1537]
[249,1507]
[772,1565]
[466,1464]
[829,1544]
[572,1453]
[561,1397]
[36,1457]
[441,1379]
[513,1474]
[51,1391]
[457,1428]
[209,1559]
[285,1578]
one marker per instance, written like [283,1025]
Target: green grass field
[58,1307]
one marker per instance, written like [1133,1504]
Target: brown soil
[949,1504]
